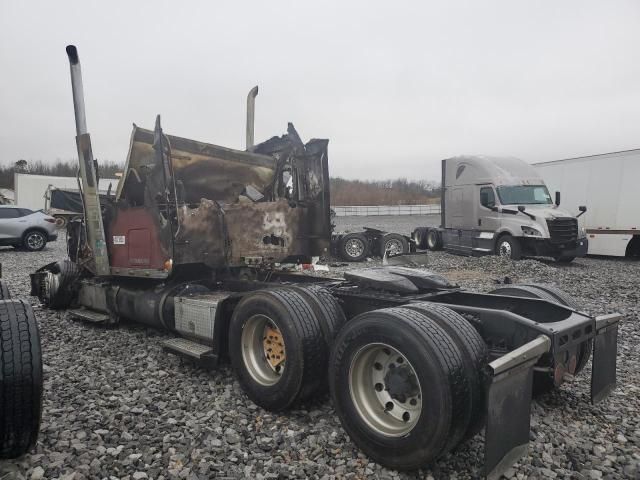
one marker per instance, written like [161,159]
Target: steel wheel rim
[382,409]
[35,240]
[354,247]
[505,249]
[393,247]
[254,351]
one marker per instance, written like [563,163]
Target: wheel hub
[401,383]
[354,247]
[393,247]
[273,346]
[505,249]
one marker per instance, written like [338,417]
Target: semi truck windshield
[524,195]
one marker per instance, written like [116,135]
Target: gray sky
[395,86]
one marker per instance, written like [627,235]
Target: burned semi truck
[414,364]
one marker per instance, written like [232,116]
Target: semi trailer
[501,206]
[414,364]
[607,185]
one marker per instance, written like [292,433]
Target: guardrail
[369,210]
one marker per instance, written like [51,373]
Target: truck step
[89,315]
[188,348]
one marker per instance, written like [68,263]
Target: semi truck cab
[502,206]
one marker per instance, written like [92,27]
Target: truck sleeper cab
[501,206]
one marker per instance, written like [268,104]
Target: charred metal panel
[211,205]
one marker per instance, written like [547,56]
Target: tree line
[343,191]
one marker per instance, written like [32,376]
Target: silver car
[25,228]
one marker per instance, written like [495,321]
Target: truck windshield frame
[524,195]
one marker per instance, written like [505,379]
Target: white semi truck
[608,185]
[501,206]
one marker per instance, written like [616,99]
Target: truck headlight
[531,232]
[582,232]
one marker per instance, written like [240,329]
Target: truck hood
[544,211]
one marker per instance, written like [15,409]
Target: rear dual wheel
[400,384]
[279,344]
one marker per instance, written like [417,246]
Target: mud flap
[605,350]
[509,406]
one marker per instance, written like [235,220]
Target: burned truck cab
[183,203]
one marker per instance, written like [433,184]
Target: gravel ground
[116,406]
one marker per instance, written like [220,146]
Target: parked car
[25,228]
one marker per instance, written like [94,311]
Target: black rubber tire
[4,291]
[397,237]
[326,308]
[68,275]
[564,298]
[516,249]
[434,240]
[306,350]
[439,366]
[419,236]
[564,259]
[30,234]
[342,247]
[20,378]
[474,356]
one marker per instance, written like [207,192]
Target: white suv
[24,228]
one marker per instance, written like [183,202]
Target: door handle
[479,222]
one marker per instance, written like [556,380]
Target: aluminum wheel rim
[354,247]
[383,412]
[35,240]
[431,241]
[393,247]
[254,352]
[505,249]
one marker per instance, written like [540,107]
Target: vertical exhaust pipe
[94,228]
[251,112]
[78,92]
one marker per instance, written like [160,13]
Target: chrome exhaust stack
[251,111]
[95,235]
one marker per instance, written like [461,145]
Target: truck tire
[474,356]
[508,247]
[542,382]
[394,243]
[434,240]
[59,287]
[34,240]
[326,308]
[353,247]
[564,298]
[4,291]
[385,364]
[20,378]
[419,236]
[277,348]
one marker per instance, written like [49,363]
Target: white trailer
[608,185]
[30,189]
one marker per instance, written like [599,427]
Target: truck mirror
[521,208]
[557,199]
[582,208]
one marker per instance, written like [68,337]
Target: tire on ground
[353,247]
[508,246]
[34,240]
[393,241]
[438,366]
[419,236]
[434,240]
[305,349]
[59,287]
[4,291]
[474,355]
[20,378]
